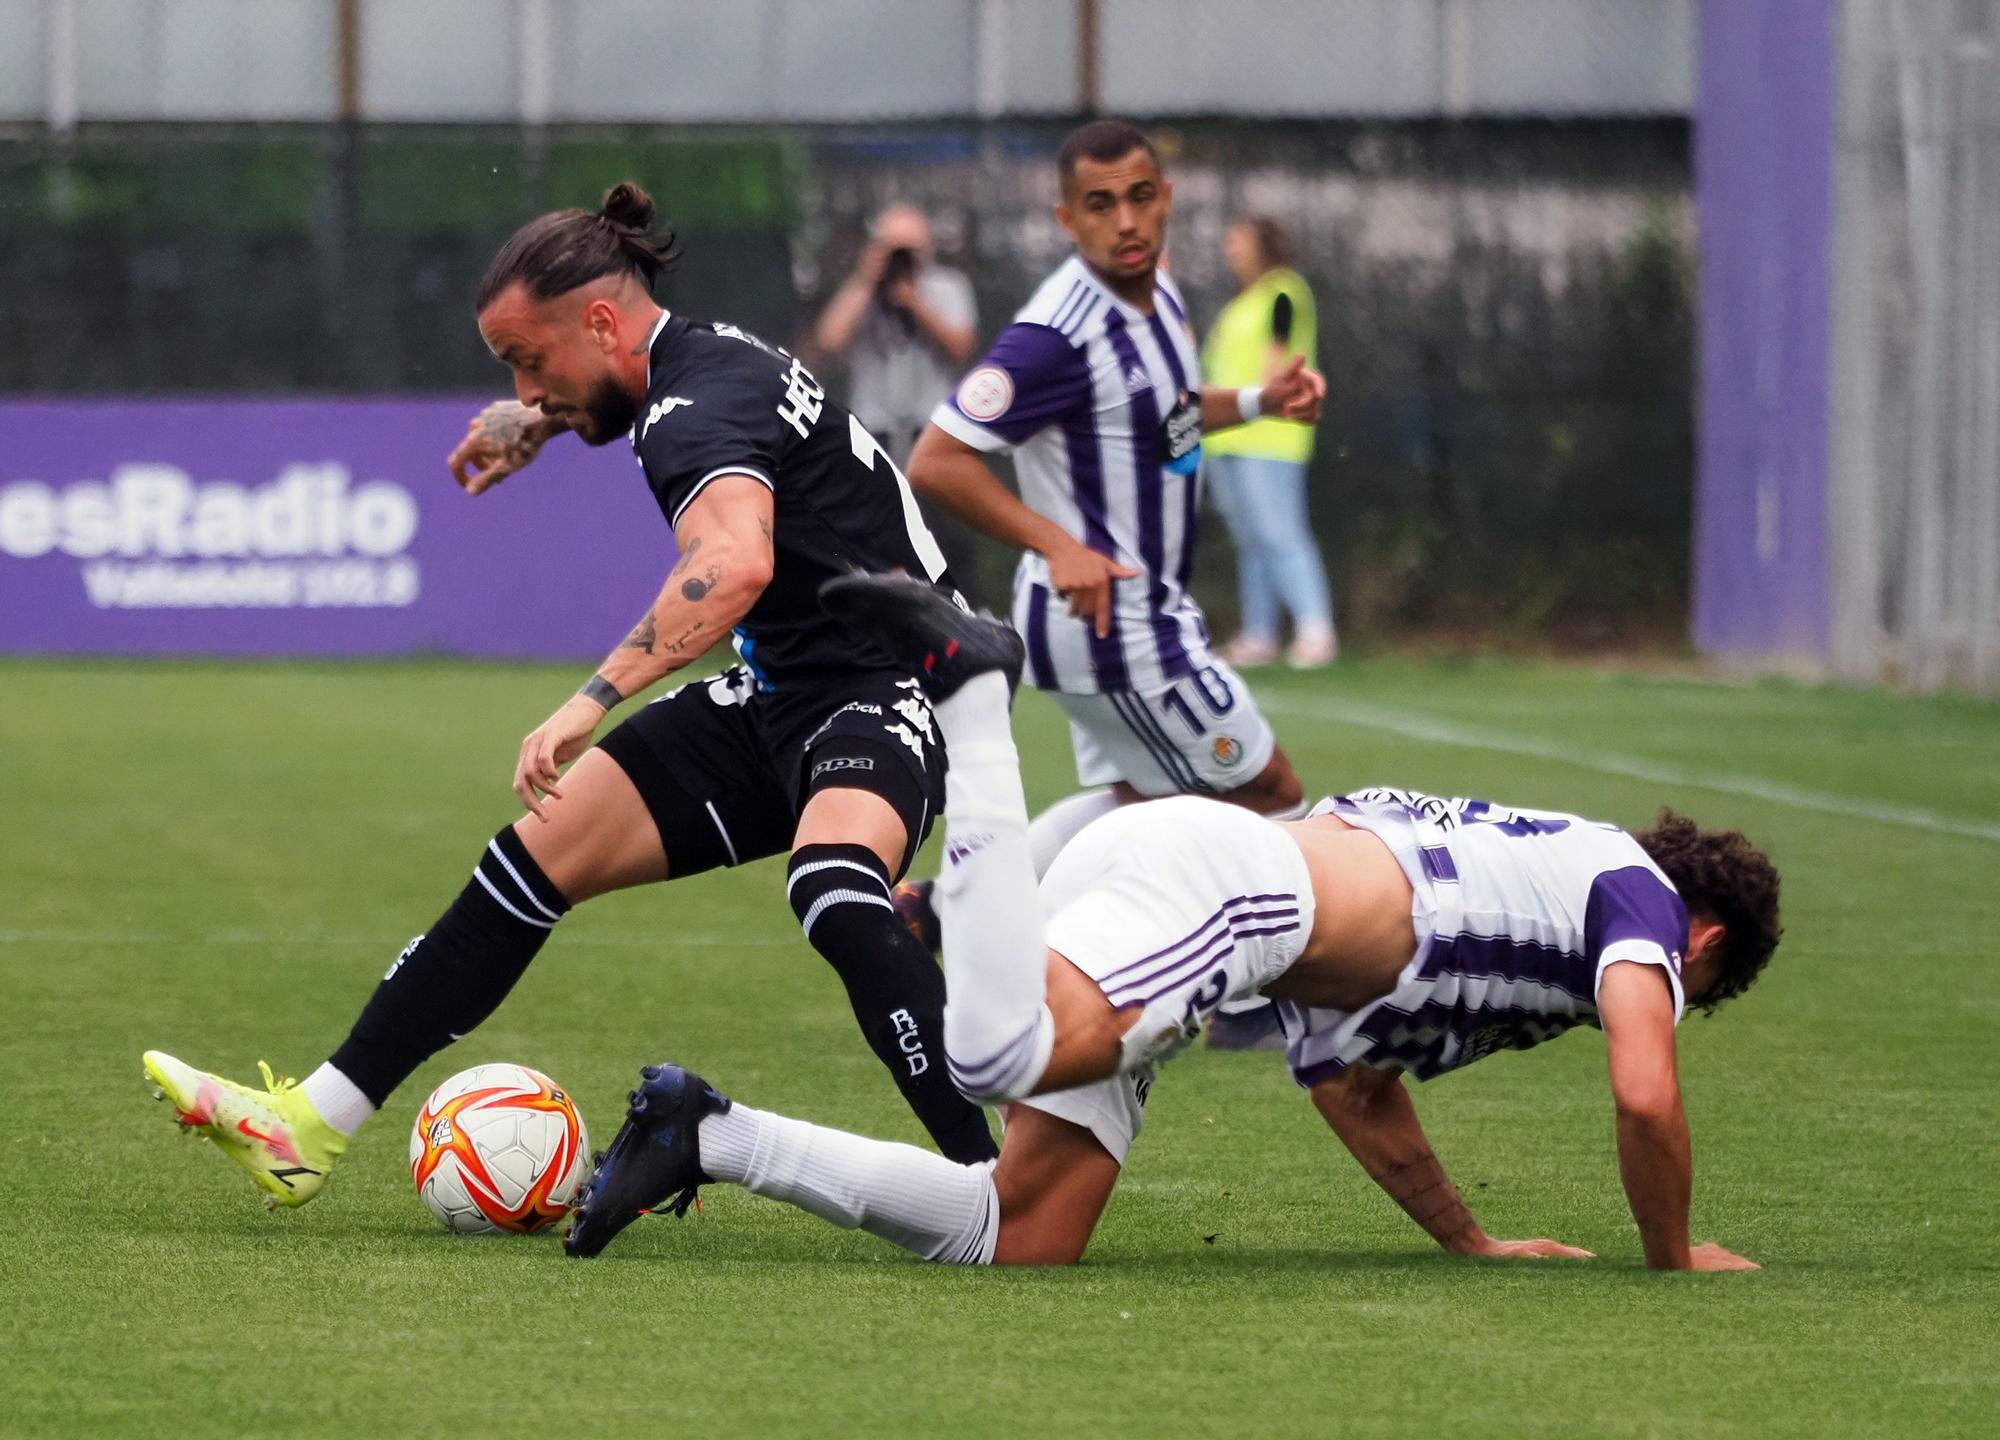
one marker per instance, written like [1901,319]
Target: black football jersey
[723,402]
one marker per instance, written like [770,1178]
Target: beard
[606,414]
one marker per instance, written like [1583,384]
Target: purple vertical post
[1764,143]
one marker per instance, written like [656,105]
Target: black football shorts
[727,769]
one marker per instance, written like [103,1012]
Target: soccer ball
[498,1148]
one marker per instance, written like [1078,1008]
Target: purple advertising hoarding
[310,527]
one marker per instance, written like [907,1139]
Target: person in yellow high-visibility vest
[1257,471]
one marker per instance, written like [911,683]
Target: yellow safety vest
[1238,353]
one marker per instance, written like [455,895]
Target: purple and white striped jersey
[1101,404]
[1517,912]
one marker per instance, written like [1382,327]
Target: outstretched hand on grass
[1532,1250]
[1713,1257]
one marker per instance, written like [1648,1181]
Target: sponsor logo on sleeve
[986,394]
[661,409]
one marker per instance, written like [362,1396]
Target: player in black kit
[815,742]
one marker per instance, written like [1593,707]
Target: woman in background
[1258,471]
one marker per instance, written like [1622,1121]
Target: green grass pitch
[221,860]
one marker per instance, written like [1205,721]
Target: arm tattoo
[507,431]
[642,636]
[687,556]
[680,642]
[697,586]
[1428,1197]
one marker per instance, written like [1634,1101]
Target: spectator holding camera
[904,326]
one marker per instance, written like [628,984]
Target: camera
[899,265]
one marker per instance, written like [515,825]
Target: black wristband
[602,691]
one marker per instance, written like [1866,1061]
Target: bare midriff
[1361,936]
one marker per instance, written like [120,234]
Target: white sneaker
[1312,649]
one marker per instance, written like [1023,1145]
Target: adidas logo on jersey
[1135,380]
[661,409]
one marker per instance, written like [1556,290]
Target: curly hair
[1723,877]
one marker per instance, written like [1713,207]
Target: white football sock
[997,1031]
[338,1100]
[922,1202]
[1056,826]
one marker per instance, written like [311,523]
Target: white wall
[701,60]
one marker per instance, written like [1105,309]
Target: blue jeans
[1277,560]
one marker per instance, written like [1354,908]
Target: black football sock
[841,896]
[451,977]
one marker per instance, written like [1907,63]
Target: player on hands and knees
[1399,932]
[1096,389]
[819,742]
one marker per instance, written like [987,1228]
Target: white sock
[997,1031]
[1056,826]
[338,1099]
[922,1202]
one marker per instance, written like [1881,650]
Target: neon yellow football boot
[274,1133]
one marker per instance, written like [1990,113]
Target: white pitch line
[1413,726]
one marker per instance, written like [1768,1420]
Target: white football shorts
[1199,735]
[1175,906]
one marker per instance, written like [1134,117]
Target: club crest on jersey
[1227,749]
[661,409]
[986,393]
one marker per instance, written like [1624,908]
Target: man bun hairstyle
[1720,876]
[1102,141]
[554,253]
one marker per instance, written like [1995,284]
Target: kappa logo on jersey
[986,393]
[661,409]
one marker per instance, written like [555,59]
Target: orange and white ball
[498,1149]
